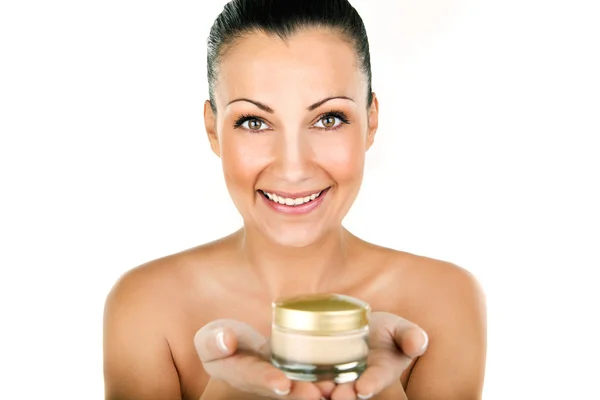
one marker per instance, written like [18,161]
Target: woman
[291,114]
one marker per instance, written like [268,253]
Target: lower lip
[296,210]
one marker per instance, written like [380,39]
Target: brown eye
[251,123]
[254,124]
[328,121]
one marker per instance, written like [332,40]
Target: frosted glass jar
[320,337]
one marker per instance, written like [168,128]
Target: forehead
[311,64]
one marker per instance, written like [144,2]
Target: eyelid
[249,117]
[339,114]
[334,113]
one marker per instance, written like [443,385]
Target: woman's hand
[393,344]
[235,353]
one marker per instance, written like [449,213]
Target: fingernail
[364,396]
[426,341]
[280,392]
[220,337]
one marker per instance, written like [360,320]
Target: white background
[486,156]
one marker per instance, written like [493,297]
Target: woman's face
[292,128]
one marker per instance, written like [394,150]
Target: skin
[155,311]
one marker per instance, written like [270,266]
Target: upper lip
[296,195]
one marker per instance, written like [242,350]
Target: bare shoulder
[428,281]
[142,284]
[141,311]
[144,288]
[450,288]
[154,292]
[133,339]
[446,279]
[163,280]
[449,303]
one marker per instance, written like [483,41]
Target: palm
[393,343]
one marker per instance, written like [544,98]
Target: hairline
[285,36]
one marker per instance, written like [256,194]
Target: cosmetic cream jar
[320,337]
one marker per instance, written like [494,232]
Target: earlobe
[373,121]
[211,130]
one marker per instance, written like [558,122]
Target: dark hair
[283,18]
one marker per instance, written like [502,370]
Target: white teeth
[289,201]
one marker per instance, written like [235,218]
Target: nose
[293,161]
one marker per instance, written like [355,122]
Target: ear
[210,124]
[373,121]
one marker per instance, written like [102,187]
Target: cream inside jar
[320,337]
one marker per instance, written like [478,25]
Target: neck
[289,271]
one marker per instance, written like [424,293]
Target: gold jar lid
[321,313]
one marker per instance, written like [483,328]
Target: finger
[394,342]
[384,368]
[223,337]
[234,352]
[412,340]
[251,374]
[326,388]
[214,343]
[409,337]
[344,391]
[304,391]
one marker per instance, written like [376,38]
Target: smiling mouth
[293,202]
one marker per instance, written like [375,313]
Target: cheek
[342,155]
[242,158]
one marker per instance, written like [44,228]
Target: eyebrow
[268,109]
[318,103]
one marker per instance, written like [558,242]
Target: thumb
[412,340]
[409,337]
[215,341]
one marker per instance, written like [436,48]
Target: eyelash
[333,113]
